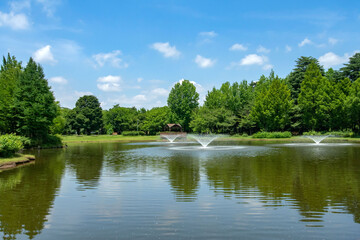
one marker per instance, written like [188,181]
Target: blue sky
[132,52]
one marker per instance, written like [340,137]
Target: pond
[180,191]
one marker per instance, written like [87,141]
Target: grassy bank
[120,138]
[14,161]
[107,138]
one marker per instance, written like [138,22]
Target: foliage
[314,99]
[88,115]
[272,135]
[155,120]
[296,77]
[213,120]
[133,133]
[119,119]
[353,104]
[352,69]
[273,104]
[35,107]
[9,75]
[11,144]
[182,101]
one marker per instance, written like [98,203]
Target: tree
[119,119]
[297,75]
[213,120]
[182,101]
[314,100]
[9,76]
[35,107]
[156,119]
[88,114]
[353,103]
[273,104]
[352,69]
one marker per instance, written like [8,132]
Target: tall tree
[182,101]
[297,75]
[35,104]
[353,103]
[314,100]
[352,69]
[272,105]
[119,119]
[156,119]
[88,114]
[9,76]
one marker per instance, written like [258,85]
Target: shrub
[133,133]
[10,144]
[272,135]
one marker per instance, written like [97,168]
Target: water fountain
[171,137]
[317,139]
[204,139]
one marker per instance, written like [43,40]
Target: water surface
[158,191]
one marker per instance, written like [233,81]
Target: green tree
[156,119]
[314,100]
[297,75]
[353,104]
[88,114]
[35,104]
[352,69]
[213,120]
[182,101]
[119,119]
[273,104]
[9,76]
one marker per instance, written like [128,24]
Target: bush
[10,144]
[272,135]
[49,141]
[335,133]
[133,133]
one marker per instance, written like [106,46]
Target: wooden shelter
[173,127]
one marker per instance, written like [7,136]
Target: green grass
[16,158]
[107,138]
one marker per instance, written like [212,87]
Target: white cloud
[253,59]
[80,94]
[167,50]
[288,48]
[268,67]
[112,58]
[109,83]
[262,49]
[44,55]
[58,80]
[199,88]
[204,62]
[15,21]
[331,59]
[333,41]
[139,79]
[238,47]
[49,6]
[17,6]
[211,34]
[305,42]
[160,92]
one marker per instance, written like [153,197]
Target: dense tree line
[308,99]
[27,106]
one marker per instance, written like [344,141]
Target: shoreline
[16,161]
[119,138]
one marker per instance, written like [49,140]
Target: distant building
[173,127]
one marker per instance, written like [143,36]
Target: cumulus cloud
[268,67]
[111,58]
[165,49]
[17,6]
[211,34]
[253,59]
[58,80]
[49,6]
[139,79]
[44,55]
[238,47]
[262,49]
[160,92]
[333,41]
[304,42]
[80,94]
[16,21]
[199,88]
[109,83]
[331,59]
[288,48]
[204,62]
